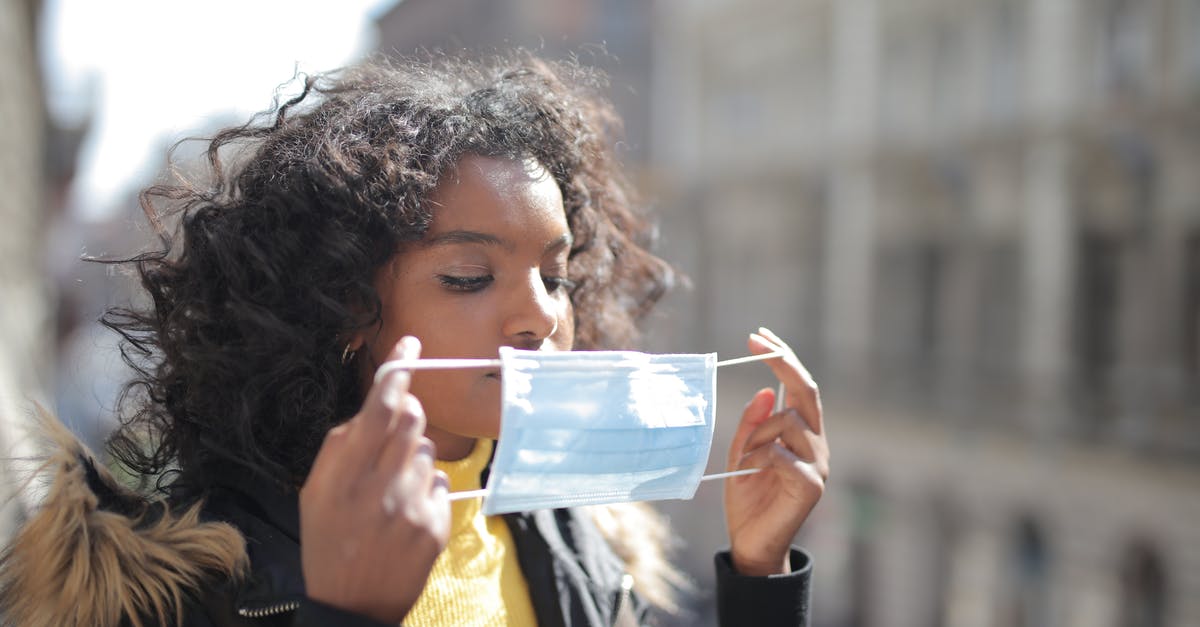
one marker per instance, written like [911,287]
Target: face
[490,272]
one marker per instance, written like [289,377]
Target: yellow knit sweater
[476,580]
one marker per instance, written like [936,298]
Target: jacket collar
[268,515]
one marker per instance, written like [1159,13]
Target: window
[1005,60]
[1189,41]
[1190,333]
[998,338]
[950,75]
[1096,309]
[908,319]
[1128,46]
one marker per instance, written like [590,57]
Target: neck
[450,446]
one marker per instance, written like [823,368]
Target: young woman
[435,208]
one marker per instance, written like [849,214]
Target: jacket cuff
[316,614]
[762,601]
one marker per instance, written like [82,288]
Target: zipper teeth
[623,596]
[270,610]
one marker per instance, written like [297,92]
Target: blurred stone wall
[979,222]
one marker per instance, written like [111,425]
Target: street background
[977,222]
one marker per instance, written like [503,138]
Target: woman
[472,206]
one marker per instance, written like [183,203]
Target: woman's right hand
[374,513]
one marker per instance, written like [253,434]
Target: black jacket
[95,552]
[574,578]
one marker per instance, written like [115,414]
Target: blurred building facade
[614,35]
[979,222]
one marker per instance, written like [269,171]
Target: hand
[374,513]
[765,510]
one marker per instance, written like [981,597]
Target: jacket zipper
[623,615]
[270,610]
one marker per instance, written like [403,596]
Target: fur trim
[96,553]
[641,537]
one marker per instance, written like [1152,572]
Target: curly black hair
[238,357]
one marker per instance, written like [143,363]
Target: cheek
[459,402]
[564,336]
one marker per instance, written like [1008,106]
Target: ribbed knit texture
[476,580]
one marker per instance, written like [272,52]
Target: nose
[531,313]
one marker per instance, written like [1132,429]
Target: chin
[484,423]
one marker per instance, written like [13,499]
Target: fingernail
[441,481]
[425,452]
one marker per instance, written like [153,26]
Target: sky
[154,71]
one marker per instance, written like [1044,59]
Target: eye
[555,283]
[465,283]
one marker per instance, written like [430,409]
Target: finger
[802,391]
[786,426]
[757,410]
[325,467]
[790,431]
[754,458]
[439,503]
[407,486]
[383,407]
[792,468]
[403,437]
[439,489]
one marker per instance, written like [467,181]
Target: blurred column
[1048,240]
[676,108]
[24,348]
[975,565]
[905,553]
[1183,592]
[1087,578]
[850,240]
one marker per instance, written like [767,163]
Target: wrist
[761,567]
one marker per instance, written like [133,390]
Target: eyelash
[555,283]
[470,284]
[464,283]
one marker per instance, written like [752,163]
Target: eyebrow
[469,237]
[487,239]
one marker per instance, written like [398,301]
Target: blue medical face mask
[585,428]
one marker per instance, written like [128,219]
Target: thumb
[756,411]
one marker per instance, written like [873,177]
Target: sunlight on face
[490,272]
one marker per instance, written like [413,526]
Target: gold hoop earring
[347,354]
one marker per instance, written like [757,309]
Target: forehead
[482,192]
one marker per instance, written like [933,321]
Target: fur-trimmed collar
[95,553]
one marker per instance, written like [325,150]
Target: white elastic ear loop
[450,364]
[433,364]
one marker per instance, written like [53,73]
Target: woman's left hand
[764,510]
